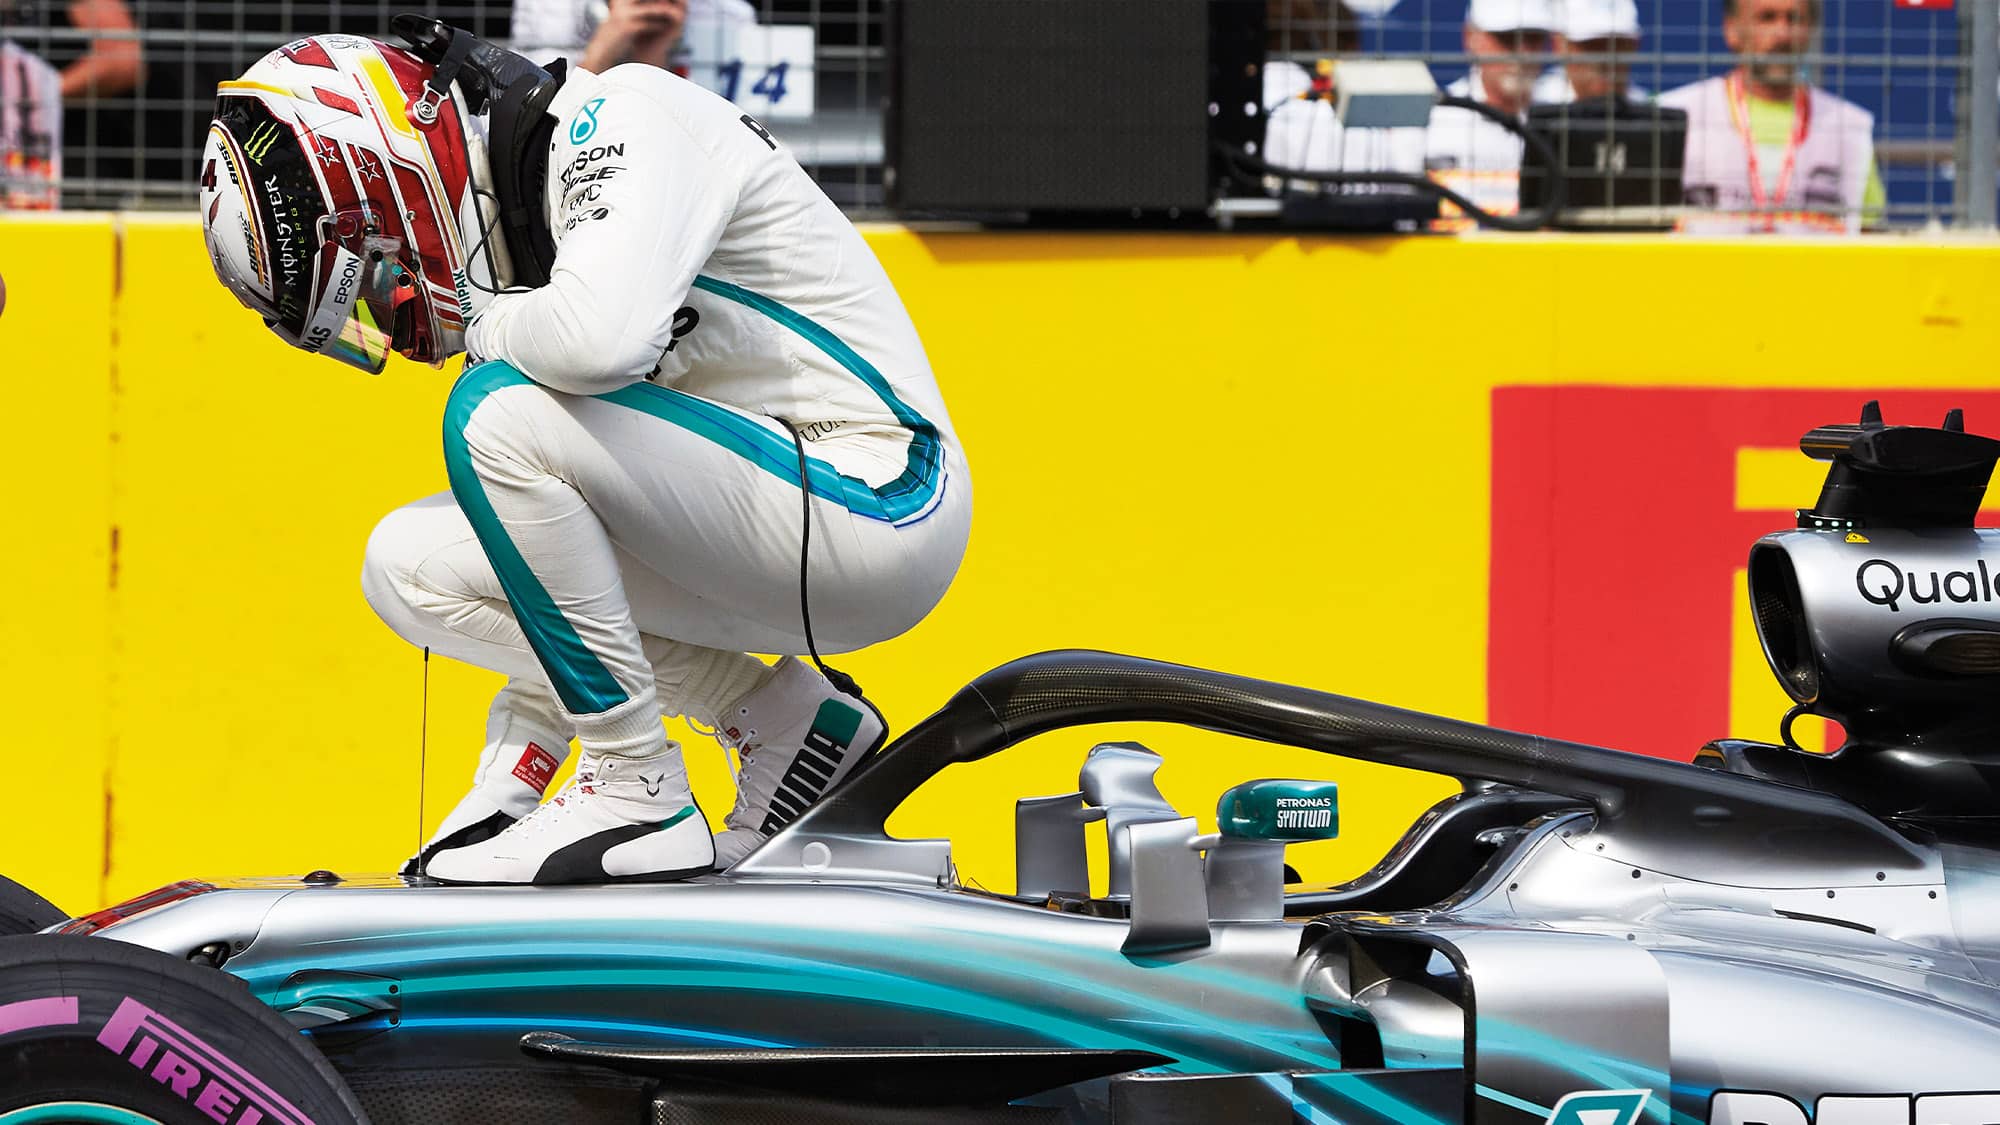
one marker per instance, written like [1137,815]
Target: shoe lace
[737,750]
[555,808]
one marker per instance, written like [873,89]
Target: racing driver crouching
[670,335]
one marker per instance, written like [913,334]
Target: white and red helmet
[337,201]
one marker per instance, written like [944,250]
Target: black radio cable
[841,681]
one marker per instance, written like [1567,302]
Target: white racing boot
[525,746]
[798,736]
[618,820]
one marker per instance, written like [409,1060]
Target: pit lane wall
[1506,478]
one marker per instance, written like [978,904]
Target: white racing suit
[625,516]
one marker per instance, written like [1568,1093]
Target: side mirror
[1246,860]
[1182,882]
[1290,812]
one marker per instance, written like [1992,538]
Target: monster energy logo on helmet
[286,195]
[259,145]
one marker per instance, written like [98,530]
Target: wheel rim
[74,1113]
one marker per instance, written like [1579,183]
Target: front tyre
[97,1032]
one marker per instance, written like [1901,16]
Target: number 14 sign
[766,70]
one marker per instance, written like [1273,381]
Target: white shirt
[1308,135]
[546,30]
[1463,141]
[692,250]
[1831,168]
[1553,88]
[30,130]
[1474,156]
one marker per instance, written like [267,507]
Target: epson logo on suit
[585,159]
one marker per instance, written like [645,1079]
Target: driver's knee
[405,575]
[501,428]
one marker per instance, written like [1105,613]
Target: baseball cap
[1499,16]
[1586,20]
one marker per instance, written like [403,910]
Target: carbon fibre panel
[880,1076]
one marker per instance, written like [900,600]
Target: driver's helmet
[336,200]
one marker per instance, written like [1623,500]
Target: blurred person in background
[1479,158]
[1301,129]
[1596,39]
[138,145]
[99,76]
[1766,151]
[599,34]
[30,130]
[97,66]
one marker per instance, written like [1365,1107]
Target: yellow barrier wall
[57,650]
[1266,455]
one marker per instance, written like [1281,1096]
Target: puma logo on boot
[827,744]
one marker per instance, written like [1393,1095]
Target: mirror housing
[1246,859]
[1182,882]
[1280,810]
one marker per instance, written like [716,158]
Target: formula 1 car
[1581,936]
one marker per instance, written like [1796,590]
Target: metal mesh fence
[1892,88]
[140,94]
[137,97]
[1890,81]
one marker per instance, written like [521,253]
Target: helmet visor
[360,343]
[343,325]
[389,282]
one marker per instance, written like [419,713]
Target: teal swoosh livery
[1594,1069]
[490,976]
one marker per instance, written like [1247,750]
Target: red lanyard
[1739,112]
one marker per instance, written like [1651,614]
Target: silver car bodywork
[1582,936]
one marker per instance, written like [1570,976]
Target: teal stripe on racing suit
[910,494]
[581,680]
[585,686]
